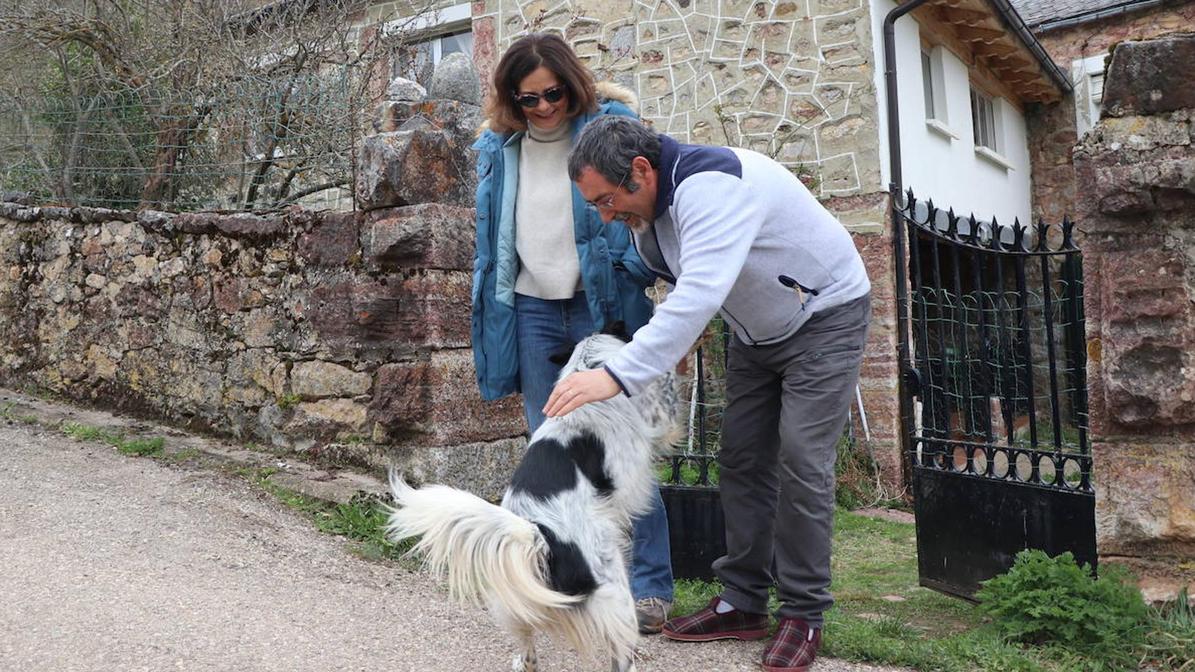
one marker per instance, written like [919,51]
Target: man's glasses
[607,202]
[552,95]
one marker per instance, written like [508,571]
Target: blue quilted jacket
[612,274]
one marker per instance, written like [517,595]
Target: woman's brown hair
[523,57]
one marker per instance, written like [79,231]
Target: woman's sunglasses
[552,95]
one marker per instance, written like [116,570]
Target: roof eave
[1013,21]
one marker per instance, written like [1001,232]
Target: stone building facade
[793,80]
[1123,184]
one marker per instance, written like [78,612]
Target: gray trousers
[786,406]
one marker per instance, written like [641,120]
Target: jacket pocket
[485,165]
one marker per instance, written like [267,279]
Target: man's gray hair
[609,144]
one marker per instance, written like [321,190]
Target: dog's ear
[618,330]
[561,357]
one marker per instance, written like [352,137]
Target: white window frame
[988,114]
[437,21]
[431,28]
[984,122]
[927,84]
[937,102]
[1087,78]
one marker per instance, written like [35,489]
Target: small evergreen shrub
[1044,600]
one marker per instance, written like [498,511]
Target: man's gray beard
[638,224]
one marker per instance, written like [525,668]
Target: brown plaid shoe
[794,647]
[708,624]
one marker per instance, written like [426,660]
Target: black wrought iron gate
[994,400]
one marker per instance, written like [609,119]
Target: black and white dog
[552,558]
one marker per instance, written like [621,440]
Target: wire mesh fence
[186,105]
[693,461]
[260,143]
[998,347]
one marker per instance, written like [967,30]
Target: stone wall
[340,335]
[1052,131]
[1137,174]
[790,79]
[793,80]
[300,330]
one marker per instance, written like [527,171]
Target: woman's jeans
[547,327]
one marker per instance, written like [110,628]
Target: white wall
[949,169]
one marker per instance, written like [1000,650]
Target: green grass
[882,616]
[142,447]
[8,413]
[1170,638]
[136,447]
[689,473]
[361,520]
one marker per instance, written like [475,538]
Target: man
[733,230]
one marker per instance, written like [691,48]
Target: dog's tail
[482,550]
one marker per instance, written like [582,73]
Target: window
[418,61]
[983,120]
[1096,85]
[1087,75]
[425,39]
[927,78]
[933,78]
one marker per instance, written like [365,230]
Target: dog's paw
[525,663]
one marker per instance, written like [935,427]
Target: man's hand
[579,389]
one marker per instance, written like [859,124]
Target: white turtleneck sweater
[549,268]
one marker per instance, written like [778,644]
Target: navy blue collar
[669,153]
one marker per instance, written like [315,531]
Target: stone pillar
[1137,170]
[868,219]
[416,181]
[420,152]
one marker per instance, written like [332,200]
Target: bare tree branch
[312,190]
[181,103]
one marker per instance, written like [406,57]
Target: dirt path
[117,563]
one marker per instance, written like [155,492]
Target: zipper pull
[797,287]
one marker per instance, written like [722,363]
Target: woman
[548,271]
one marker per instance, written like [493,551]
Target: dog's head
[616,329]
[658,404]
[591,353]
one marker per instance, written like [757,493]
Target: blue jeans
[545,328]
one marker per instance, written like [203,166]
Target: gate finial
[1018,236]
[1068,234]
[1043,235]
[997,233]
[952,225]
